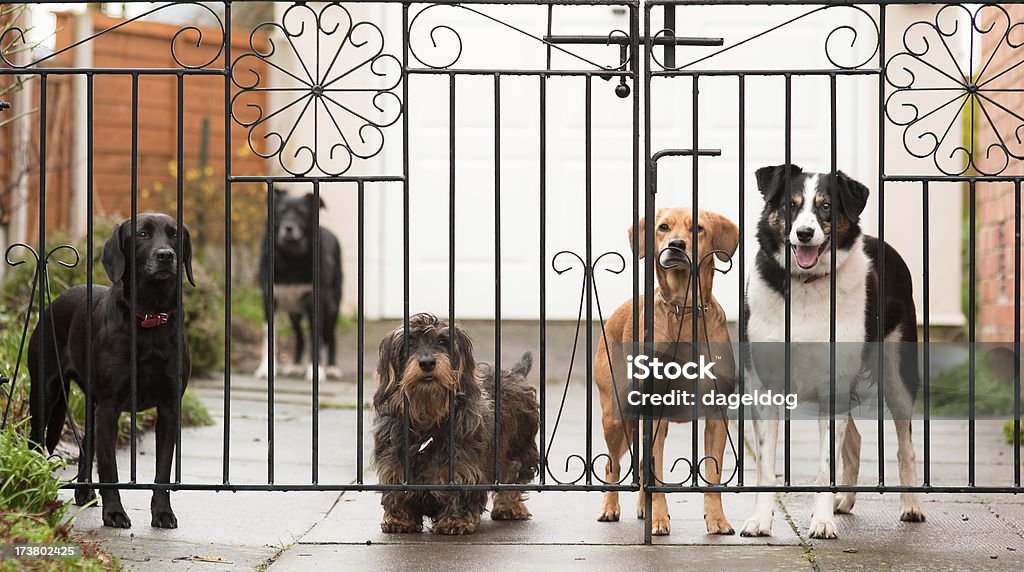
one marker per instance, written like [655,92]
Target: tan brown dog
[673,315]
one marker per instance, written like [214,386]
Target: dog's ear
[313,200]
[387,382]
[186,254]
[637,244]
[725,237]
[463,348]
[771,181]
[113,253]
[852,195]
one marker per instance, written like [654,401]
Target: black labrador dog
[62,337]
[293,250]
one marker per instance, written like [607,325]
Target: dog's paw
[389,526]
[609,513]
[164,519]
[321,374]
[453,527]
[844,503]
[912,512]
[718,525]
[292,370]
[517,511]
[824,529]
[758,525]
[116,518]
[84,496]
[262,372]
[661,526]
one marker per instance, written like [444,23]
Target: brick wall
[138,45]
[995,201]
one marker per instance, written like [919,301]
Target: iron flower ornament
[316,90]
[953,112]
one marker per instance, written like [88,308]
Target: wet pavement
[299,529]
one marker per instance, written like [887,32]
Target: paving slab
[414,557]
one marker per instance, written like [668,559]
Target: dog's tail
[525,364]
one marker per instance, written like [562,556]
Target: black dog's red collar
[152,320]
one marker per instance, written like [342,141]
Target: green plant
[1008,432]
[193,414]
[950,392]
[31,512]
[27,485]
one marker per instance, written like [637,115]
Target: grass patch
[1008,432]
[30,511]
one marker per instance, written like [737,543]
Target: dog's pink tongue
[806,256]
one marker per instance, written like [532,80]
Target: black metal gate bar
[879,256]
[228,65]
[1016,334]
[926,294]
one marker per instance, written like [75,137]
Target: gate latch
[668,41]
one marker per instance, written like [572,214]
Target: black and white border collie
[807,239]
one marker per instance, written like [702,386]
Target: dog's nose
[165,255]
[427,363]
[677,243]
[805,233]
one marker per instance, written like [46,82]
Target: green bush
[193,414]
[1008,432]
[950,392]
[27,485]
[30,511]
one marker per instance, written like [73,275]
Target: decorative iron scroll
[589,271]
[840,56]
[14,40]
[336,85]
[40,282]
[934,96]
[440,46]
[694,469]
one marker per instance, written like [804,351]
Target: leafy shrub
[950,392]
[27,485]
[193,414]
[30,511]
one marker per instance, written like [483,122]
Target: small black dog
[156,324]
[293,278]
[421,371]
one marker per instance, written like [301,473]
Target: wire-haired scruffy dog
[417,375]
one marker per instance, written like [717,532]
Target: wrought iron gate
[288,91]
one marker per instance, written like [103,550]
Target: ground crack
[809,554]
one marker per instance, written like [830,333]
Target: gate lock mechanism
[666,39]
